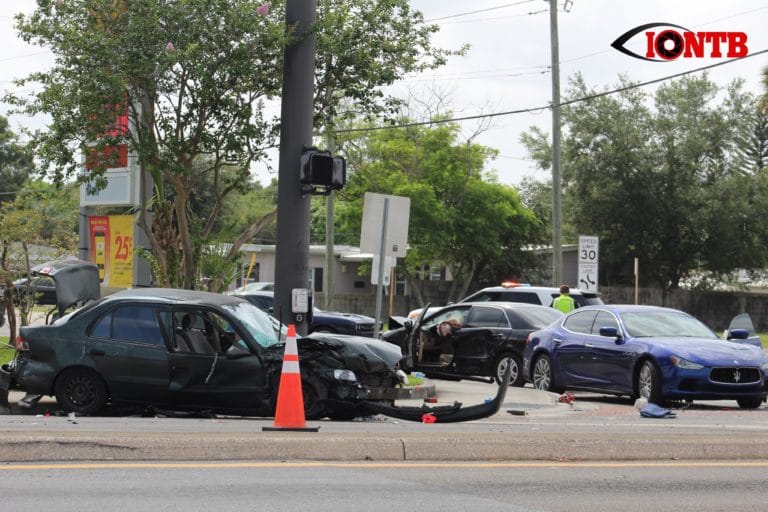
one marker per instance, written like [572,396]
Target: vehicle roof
[552,289]
[502,304]
[175,296]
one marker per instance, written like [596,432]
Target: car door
[128,348]
[610,364]
[227,379]
[477,343]
[569,348]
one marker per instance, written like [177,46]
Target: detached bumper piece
[448,413]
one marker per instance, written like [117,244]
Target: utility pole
[292,251]
[329,233]
[557,251]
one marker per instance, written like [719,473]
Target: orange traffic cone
[289,414]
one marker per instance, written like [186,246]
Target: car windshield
[664,324]
[260,325]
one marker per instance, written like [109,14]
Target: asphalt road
[531,425]
[511,487]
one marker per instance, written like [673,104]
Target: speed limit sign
[589,251]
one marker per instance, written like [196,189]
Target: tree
[460,215]
[196,78]
[658,182]
[16,163]
[41,220]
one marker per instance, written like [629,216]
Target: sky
[507,67]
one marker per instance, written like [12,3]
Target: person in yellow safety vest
[564,303]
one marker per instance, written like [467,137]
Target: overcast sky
[507,66]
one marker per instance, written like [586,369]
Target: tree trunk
[188,256]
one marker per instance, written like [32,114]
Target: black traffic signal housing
[321,173]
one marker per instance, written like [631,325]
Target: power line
[478,11]
[506,75]
[494,18]
[564,103]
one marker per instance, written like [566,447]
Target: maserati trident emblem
[737,376]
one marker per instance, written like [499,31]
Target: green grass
[6,352]
[414,381]
[764,339]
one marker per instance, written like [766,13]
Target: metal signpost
[384,232]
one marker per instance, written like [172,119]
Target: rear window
[533,318]
[580,322]
[486,317]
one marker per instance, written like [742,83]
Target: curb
[95,446]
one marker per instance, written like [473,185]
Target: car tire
[81,391]
[314,393]
[648,382]
[543,376]
[516,375]
[750,402]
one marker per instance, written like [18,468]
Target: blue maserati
[645,351]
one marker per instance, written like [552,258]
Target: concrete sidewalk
[541,428]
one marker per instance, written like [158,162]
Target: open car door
[412,342]
[743,321]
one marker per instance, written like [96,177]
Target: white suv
[515,292]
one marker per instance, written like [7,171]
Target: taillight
[21,344]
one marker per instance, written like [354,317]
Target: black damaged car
[473,341]
[194,351]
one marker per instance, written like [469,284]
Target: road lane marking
[379,465]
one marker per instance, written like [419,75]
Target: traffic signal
[320,169]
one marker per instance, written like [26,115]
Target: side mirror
[737,334]
[611,332]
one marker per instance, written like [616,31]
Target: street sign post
[589,253]
[384,232]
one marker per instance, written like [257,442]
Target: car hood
[707,351]
[356,347]
[351,316]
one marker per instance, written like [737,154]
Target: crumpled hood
[354,347]
[713,352]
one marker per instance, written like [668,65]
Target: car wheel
[314,393]
[81,391]
[516,369]
[749,402]
[649,383]
[543,376]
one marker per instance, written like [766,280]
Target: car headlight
[685,364]
[347,375]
